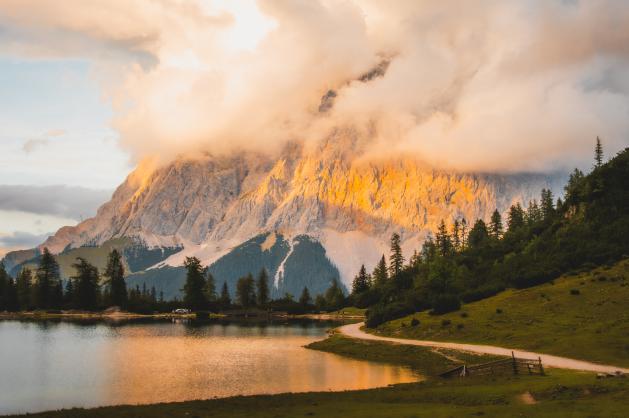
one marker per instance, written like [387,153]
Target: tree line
[589,226]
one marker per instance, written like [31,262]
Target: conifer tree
[456,235]
[463,233]
[68,295]
[598,153]
[478,234]
[547,204]
[361,281]
[24,288]
[4,278]
[334,297]
[443,241]
[429,249]
[225,300]
[380,275]
[194,297]
[86,285]
[396,260]
[115,279]
[515,218]
[305,298]
[11,301]
[495,225]
[48,281]
[245,291]
[210,288]
[263,287]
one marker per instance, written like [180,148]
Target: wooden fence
[511,365]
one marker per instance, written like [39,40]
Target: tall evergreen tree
[443,240]
[305,298]
[4,278]
[534,213]
[225,300]
[598,153]
[24,288]
[478,234]
[547,204]
[495,225]
[463,233]
[334,297]
[48,280]
[515,218]
[193,290]
[86,285]
[361,281]
[429,249]
[456,235]
[210,288]
[380,275]
[12,303]
[263,287]
[115,279]
[396,260]
[68,294]
[245,291]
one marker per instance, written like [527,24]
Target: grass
[561,394]
[591,324]
[350,311]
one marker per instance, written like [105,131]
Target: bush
[444,304]
[381,313]
[575,292]
[481,293]
[498,310]
[445,322]
[414,322]
[460,326]
[464,315]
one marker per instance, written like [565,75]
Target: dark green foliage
[194,295]
[262,286]
[48,282]
[380,275]
[334,296]
[443,241]
[86,287]
[361,281]
[515,220]
[382,313]
[479,235]
[396,259]
[305,298]
[245,291]
[495,226]
[598,153]
[209,290]
[114,272]
[224,300]
[4,278]
[414,322]
[445,303]
[25,289]
[575,292]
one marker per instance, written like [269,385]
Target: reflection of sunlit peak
[249,25]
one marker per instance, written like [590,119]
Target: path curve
[354,331]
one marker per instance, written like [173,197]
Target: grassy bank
[78,315]
[582,316]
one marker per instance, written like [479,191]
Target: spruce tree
[115,279]
[396,260]
[463,233]
[86,285]
[478,235]
[245,291]
[263,287]
[443,240]
[429,249]
[210,288]
[4,278]
[547,205]
[12,303]
[456,235]
[334,297]
[495,225]
[361,281]
[24,288]
[193,290]
[515,218]
[380,275]
[598,153]
[48,281]
[305,299]
[225,300]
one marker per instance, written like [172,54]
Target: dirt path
[354,331]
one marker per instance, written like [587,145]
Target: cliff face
[210,204]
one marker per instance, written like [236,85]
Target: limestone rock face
[209,204]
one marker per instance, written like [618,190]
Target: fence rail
[511,365]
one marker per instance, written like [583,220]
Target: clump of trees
[532,245]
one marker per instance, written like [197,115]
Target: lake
[53,365]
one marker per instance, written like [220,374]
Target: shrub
[414,322]
[445,322]
[444,304]
[575,292]
[498,310]
[464,315]
[460,326]
[381,313]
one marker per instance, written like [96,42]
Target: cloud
[490,86]
[31,144]
[21,239]
[63,201]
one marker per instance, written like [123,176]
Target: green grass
[561,394]
[590,325]
[427,361]
[351,311]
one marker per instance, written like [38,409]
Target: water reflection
[54,365]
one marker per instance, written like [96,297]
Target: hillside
[582,315]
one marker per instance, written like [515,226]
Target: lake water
[46,365]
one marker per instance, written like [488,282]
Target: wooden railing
[511,365]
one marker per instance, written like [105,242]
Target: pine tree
[24,288]
[495,225]
[547,205]
[456,235]
[12,303]
[305,298]
[85,285]
[478,234]
[416,260]
[533,213]
[396,260]
[47,281]
[380,275]
[361,281]
[225,300]
[210,288]
[4,278]
[263,287]
[245,291]
[463,233]
[443,241]
[194,297]
[334,297]
[68,295]
[598,153]
[115,279]
[429,249]
[515,218]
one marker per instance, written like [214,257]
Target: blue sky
[54,131]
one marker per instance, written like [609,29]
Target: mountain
[319,206]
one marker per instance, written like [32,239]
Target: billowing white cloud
[492,85]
